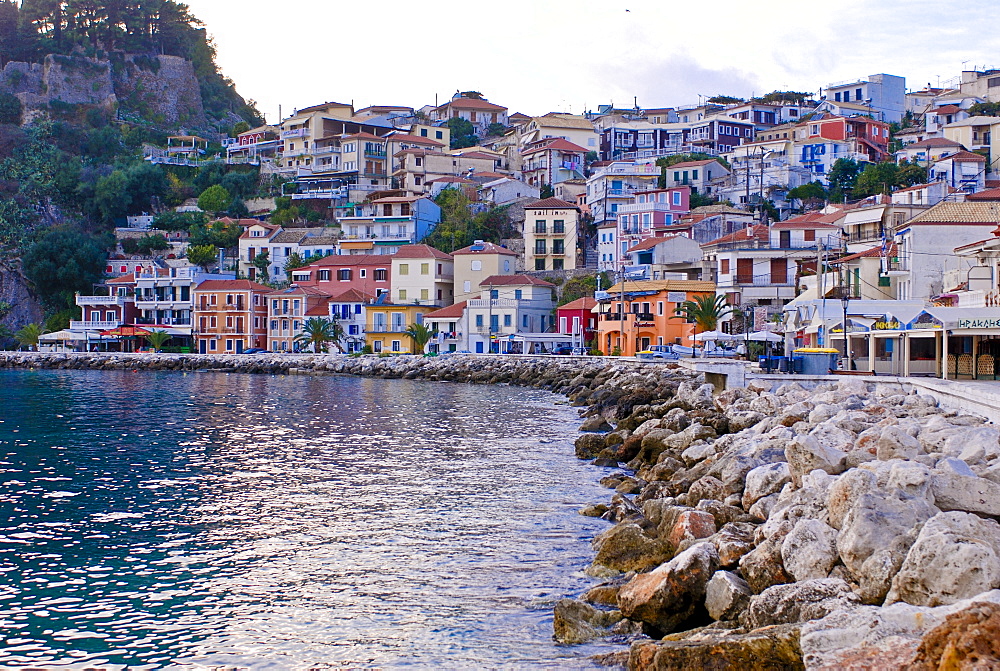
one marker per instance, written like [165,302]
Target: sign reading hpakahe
[978,323]
[676,296]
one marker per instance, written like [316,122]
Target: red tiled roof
[792,224]
[585,303]
[558,144]
[414,139]
[489,174]
[451,312]
[749,233]
[648,243]
[874,252]
[947,109]
[915,187]
[351,296]
[231,285]
[507,280]
[964,157]
[551,204]
[364,136]
[692,164]
[478,154]
[124,279]
[420,252]
[988,194]
[345,260]
[473,104]
[451,179]
[934,142]
[321,310]
[295,289]
[484,248]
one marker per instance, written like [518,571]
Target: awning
[126,332]
[356,244]
[864,216]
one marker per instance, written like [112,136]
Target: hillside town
[863,217]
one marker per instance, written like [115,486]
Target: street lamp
[845,298]
[747,316]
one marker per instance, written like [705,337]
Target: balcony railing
[645,207]
[770,280]
[628,316]
[384,328]
[102,300]
[93,325]
[508,303]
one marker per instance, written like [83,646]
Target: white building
[884,95]
[508,305]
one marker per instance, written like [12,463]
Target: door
[644,344]
[239,347]
[785,239]
[744,271]
[203,347]
[779,271]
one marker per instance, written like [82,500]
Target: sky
[538,56]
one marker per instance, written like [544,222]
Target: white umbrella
[717,336]
[765,336]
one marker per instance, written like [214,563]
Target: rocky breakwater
[847,527]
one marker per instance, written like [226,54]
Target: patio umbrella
[717,336]
[765,336]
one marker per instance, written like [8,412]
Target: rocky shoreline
[850,526]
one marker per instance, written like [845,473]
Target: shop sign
[926,321]
[979,323]
[645,325]
[676,296]
[886,325]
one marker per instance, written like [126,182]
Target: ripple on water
[150,520]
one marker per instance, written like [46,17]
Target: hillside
[82,87]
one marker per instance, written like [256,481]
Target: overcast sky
[538,56]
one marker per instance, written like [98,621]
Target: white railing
[93,326]
[508,303]
[101,300]
[644,207]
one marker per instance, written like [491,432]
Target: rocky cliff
[163,89]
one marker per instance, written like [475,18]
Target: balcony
[769,280]
[509,303]
[298,132]
[645,207]
[93,326]
[628,316]
[166,321]
[102,300]
[383,328]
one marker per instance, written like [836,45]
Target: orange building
[230,316]
[646,318]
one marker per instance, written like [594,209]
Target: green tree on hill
[63,261]
[214,199]
[202,255]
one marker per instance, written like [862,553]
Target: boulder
[765,480]
[868,637]
[691,525]
[973,445]
[799,602]
[894,443]
[625,547]
[762,509]
[706,487]
[954,466]
[845,491]
[875,536]
[762,567]
[732,541]
[723,514]
[726,596]
[669,595]
[596,424]
[806,453]
[810,550]
[960,492]
[577,622]
[589,445]
[769,649]
[955,556]
[968,639]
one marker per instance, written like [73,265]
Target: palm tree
[28,335]
[318,331]
[705,310]
[421,334]
[157,339]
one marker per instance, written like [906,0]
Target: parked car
[563,351]
[254,350]
[658,352]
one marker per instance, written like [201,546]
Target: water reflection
[212,519]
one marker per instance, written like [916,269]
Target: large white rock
[973,445]
[809,551]
[874,537]
[911,479]
[726,596]
[765,480]
[894,443]
[960,492]
[889,635]
[956,556]
[805,454]
[845,491]
[799,602]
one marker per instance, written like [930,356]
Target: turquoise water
[156,520]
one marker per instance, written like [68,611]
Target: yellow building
[386,324]
[475,263]
[550,235]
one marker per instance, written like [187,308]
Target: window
[274,324]
[558,226]
[425,269]
[344,274]
[438,135]
[810,236]
[676,197]
[557,247]
[423,132]
[380,274]
[694,174]
[525,321]
[479,321]
[212,345]
[518,293]
[213,322]
[659,308]
[424,294]
[395,346]
[402,294]
[557,264]
[404,268]
[363,273]
[540,226]
[322,276]
[540,247]
[507,320]
[539,264]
